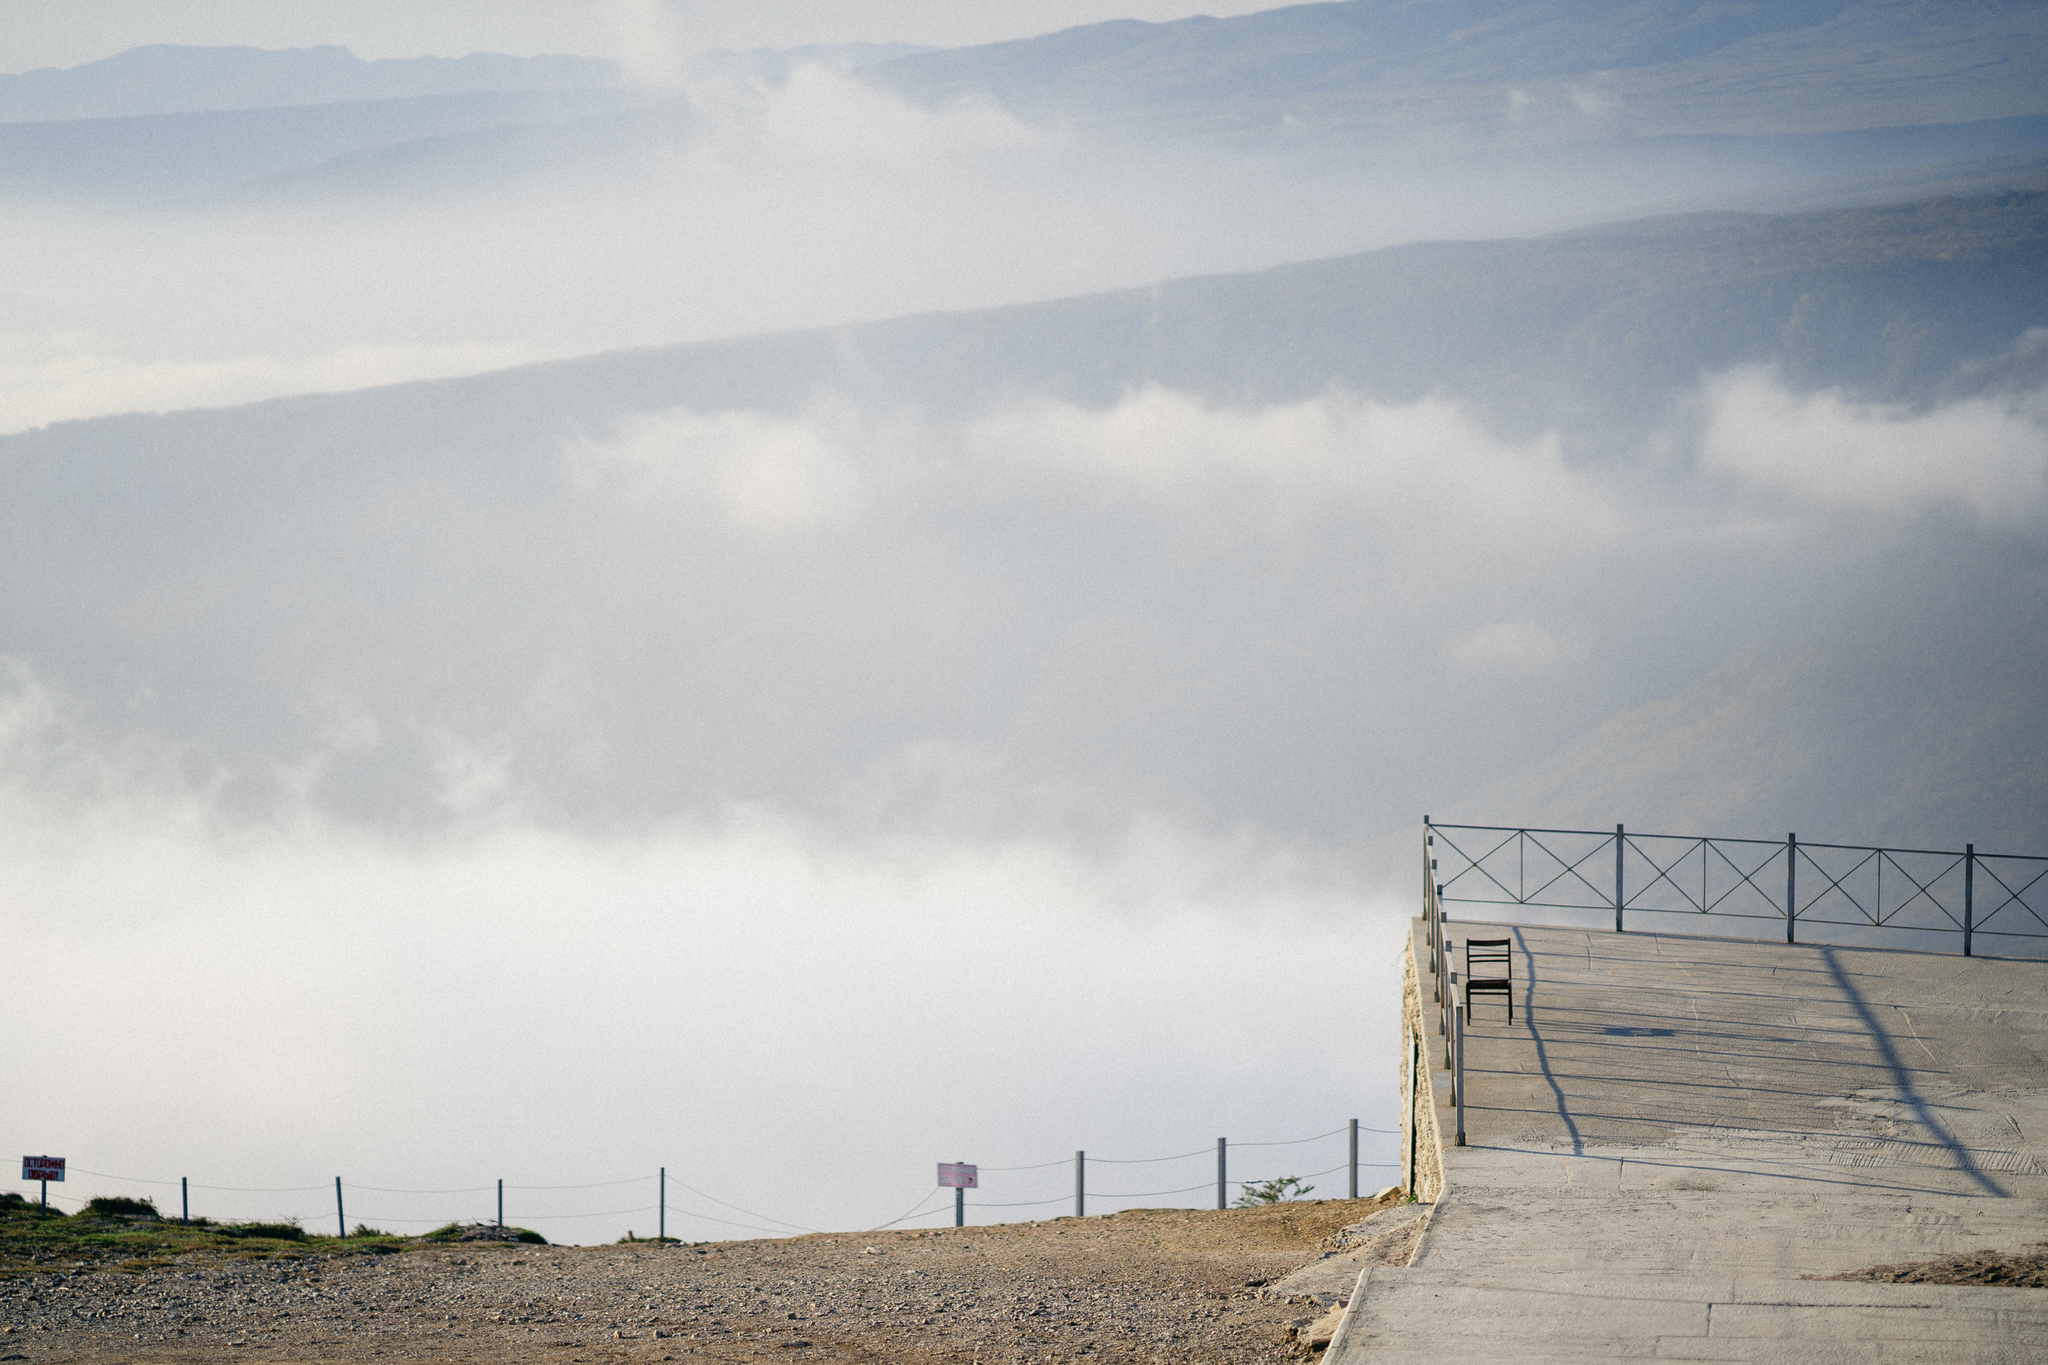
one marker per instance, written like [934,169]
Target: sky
[809,777]
[34,35]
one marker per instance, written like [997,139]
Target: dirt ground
[1145,1285]
[2021,1271]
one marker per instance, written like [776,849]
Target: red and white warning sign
[958,1175]
[42,1168]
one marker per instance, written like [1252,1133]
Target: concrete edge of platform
[1423,1088]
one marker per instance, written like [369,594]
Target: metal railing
[1910,897]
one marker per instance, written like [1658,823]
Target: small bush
[365,1230]
[282,1232]
[1272,1192]
[484,1232]
[120,1206]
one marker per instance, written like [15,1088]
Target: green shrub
[1272,1192]
[365,1230]
[13,1204]
[484,1232]
[282,1232]
[120,1206]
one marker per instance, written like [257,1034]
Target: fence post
[1354,1158]
[1222,1168]
[1080,1184]
[1969,893]
[660,1221]
[501,1201]
[339,1216]
[184,1200]
[1458,1077]
[1791,883]
[1450,1006]
[959,1206]
[1618,901]
[1432,912]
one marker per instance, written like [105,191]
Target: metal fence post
[184,1200]
[1222,1170]
[1080,1184]
[660,1221]
[1432,911]
[1450,1010]
[501,1202]
[1618,902]
[1969,893]
[1791,883]
[1354,1158]
[1458,1078]
[339,1216]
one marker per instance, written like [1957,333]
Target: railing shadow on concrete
[1841,894]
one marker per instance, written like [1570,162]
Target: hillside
[907,571]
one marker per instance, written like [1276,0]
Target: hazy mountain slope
[177,156]
[1613,324]
[1915,715]
[1522,71]
[168,79]
[869,570]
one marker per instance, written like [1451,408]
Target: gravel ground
[1145,1285]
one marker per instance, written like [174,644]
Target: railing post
[1618,902]
[1458,1077]
[1791,884]
[1450,1015]
[1969,893]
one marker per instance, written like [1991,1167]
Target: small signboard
[42,1168]
[958,1175]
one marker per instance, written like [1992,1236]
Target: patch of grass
[276,1232]
[145,1263]
[31,1244]
[119,1206]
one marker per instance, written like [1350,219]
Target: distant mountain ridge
[168,79]
[1575,67]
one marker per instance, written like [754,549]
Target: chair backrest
[1489,950]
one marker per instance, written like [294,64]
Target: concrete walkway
[1675,1132]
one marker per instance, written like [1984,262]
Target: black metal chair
[1490,950]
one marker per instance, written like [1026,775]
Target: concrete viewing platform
[1679,1139]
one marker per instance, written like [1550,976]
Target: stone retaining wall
[1423,1081]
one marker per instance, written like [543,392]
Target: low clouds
[1986,456]
[764,472]
[695,995]
[985,782]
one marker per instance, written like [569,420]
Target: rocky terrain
[1142,1285]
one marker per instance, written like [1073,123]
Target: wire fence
[487,1203]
